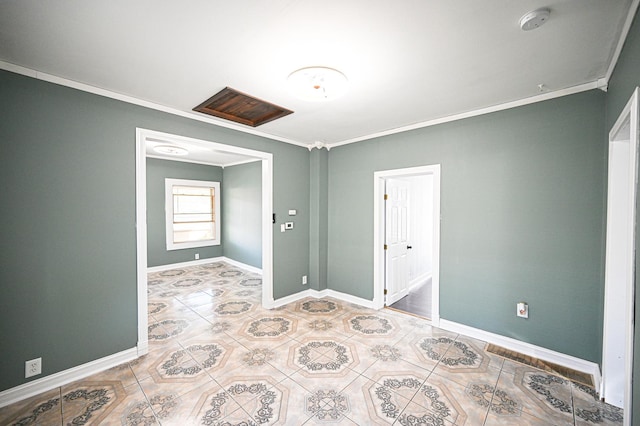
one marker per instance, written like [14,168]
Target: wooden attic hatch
[233,105]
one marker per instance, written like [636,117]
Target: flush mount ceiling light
[317,83]
[534,19]
[170,150]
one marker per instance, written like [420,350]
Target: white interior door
[397,239]
[617,356]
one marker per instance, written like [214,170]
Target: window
[192,213]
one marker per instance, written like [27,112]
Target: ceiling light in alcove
[170,150]
[317,83]
[534,19]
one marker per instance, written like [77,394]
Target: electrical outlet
[197,256]
[33,367]
[304,280]
[522,310]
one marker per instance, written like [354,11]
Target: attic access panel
[233,105]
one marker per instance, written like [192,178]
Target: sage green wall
[68,269]
[625,78]
[522,202]
[318,195]
[241,213]
[157,172]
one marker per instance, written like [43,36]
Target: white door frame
[379,233]
[141,221]
[617,351]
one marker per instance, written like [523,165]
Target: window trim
[169,183]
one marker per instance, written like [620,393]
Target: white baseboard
[525,348]
[143,347]
[160,268]
[62,378]
[422,279]
[319,294]
[241,265]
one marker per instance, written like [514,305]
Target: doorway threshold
[402,311]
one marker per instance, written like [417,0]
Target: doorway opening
[145,137]
[407,240]
[617,345]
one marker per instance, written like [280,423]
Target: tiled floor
[218,358]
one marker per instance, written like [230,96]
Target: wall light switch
[282,228]
[288,225]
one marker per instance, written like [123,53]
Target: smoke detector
[534,19]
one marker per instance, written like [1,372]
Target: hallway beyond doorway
[417,302]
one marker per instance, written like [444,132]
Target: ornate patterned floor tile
[260,397]
[323,357]
[493,419]
[233,307]
[168,329]
[589,410]
[224,326]
[121,373]
[192,406]
[383,404]
[426,349]
[369,325]
[256,361]
[210,355]
[134,409]
[327,405]
[178,366]
[440,399]
[90,402]
[465,362]
[540,394]
[318,308]
[199,298]
[269,328]
[231,273]
[315,361]
[199,328]
[43,409]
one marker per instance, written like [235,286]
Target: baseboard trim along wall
[62,378]
[525,348]
[506,342]
[317,294]
[204,262]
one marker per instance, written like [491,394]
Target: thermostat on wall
[293,212]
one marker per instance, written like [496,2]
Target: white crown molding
[319,145]
[623,37]
[135,101]
[62,378]
[600,83]
[455,117]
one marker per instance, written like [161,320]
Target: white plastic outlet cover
[522,310]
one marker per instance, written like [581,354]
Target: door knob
[409,247]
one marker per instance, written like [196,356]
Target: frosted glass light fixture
[170,150]
[317,83]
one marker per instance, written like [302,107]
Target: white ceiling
[407,62]
[198,151]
